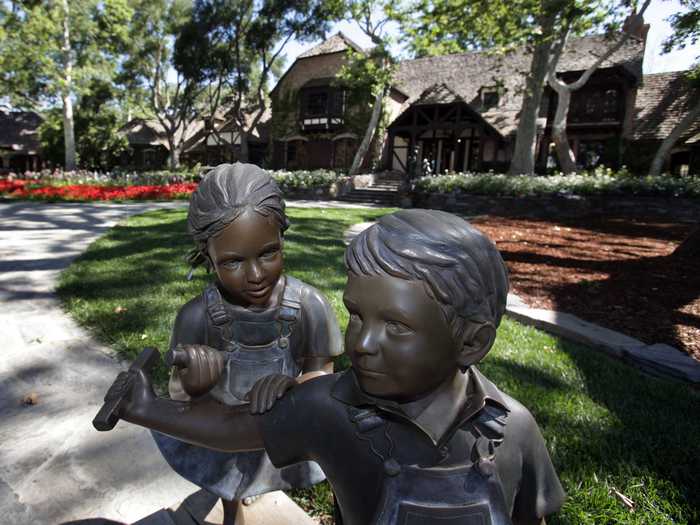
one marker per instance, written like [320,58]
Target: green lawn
[609,428]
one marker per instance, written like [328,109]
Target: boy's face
[398,340]
[247,257]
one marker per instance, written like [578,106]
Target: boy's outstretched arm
[207,423]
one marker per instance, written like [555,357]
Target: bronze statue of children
[413,433]
[250,322]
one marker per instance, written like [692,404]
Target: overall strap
[289,310]
[219,317]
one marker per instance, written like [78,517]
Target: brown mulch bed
[616,272]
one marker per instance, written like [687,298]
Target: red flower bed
[23,189]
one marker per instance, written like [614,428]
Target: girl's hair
[225,193]
[460,267]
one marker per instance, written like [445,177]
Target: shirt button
[443,451]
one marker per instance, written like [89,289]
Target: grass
[611,431]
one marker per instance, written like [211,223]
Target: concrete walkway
[54,467]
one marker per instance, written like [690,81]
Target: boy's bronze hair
[460,266]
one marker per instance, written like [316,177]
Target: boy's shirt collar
[477,390]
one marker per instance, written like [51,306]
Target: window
[316,103]
[489,99]
[291,151]
[610,105]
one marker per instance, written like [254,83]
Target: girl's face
[247,258]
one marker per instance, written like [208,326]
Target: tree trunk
[567,162]
[690,247]
[523,161]
[660,158]
[68,124]
[244,153]
[369,133]
[174,154]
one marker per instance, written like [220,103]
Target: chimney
[634,24]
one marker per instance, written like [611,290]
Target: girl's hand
[199,367]
[267,390]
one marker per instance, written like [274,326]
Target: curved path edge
[55,467]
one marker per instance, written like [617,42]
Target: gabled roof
[437,94]
[335,44]
[19,131]
[467,73]
[662,100]
[150,132]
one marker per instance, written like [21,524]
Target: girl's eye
[397,328]
[232,265]
[269,254]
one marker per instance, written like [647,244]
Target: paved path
[54,467]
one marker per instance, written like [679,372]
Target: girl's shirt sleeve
[321,332]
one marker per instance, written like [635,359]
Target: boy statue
[412,433]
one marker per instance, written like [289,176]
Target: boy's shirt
[330,420]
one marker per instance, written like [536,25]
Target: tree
[567,161]
[435,26]
[97,121]
[686,28]
[371,71]
[172,98]
[53,49]
[236,47]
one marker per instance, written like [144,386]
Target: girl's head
[236,218]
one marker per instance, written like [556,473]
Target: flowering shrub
[87,186]
[116,177]
[304,179]
[26,189]
[602,181]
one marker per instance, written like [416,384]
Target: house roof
[662,100]
[19,131]
[335,44]
[466,74]
[151,132]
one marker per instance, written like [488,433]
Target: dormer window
[322,107]
[316,103]
[489,98]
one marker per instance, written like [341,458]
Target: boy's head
[223,195]
[449,272]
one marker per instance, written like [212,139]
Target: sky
[654,61]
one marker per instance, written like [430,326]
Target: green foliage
[437,27]
[304,179]
[602,181]
[686,27]
[33,69]
[97,121]
[609,429]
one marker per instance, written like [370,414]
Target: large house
[454,112]
[458,113]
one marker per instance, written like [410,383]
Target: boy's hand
[135,390]
[267,390]
[199,367]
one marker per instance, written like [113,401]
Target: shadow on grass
[637,427]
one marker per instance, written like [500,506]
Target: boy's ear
[478,340]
